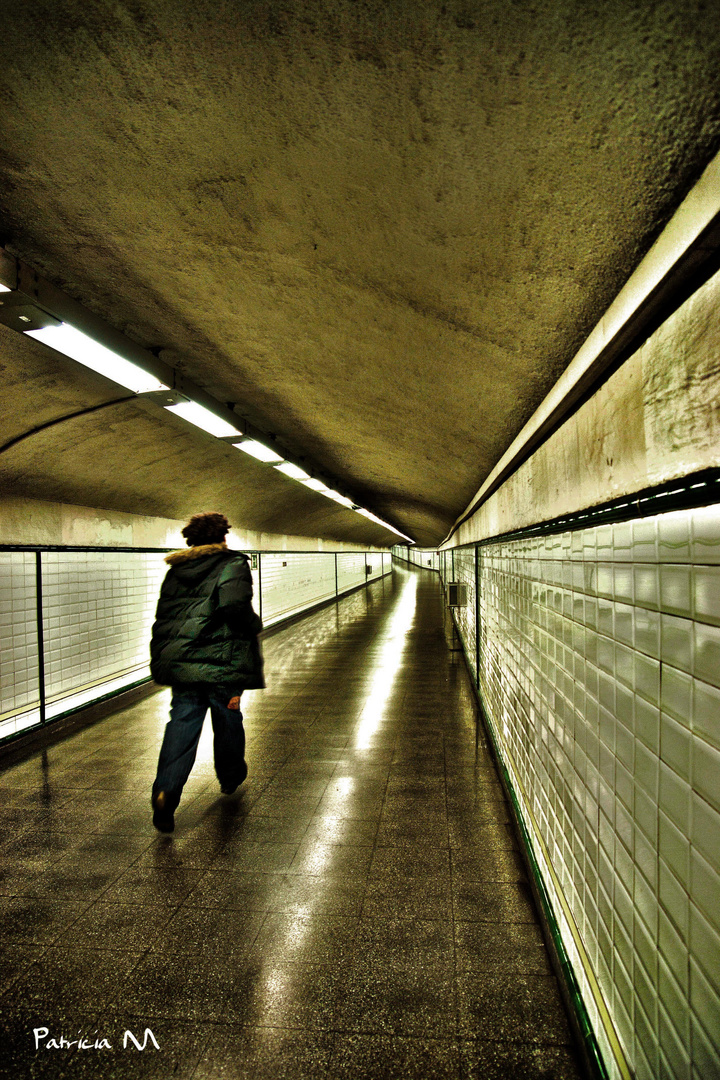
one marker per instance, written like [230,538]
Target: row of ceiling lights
[71,342]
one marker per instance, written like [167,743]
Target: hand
[234,704]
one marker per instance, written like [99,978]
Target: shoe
[230,789]
[163,816]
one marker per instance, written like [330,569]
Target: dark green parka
[205,628]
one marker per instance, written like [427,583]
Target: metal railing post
[477,615]
[40,633]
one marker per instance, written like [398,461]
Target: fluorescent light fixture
[336,497]
[5,288]
[293,471]
[78,346]
[379,521]
[203,418]
[260,451]
[316,485]
[367,514]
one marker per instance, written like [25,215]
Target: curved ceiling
[381,228]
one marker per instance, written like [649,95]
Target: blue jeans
[189,705]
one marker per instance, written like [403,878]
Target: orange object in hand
[234,704]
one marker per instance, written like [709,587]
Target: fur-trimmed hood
[197,552]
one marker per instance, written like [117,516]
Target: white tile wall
[427,559]
[294,581]
[350,570]
[600,670]
[98,610]
[19,682]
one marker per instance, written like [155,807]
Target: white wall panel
[374,563]
[19,680]
[98,610]
[351,570]
[292,582]
[600,673]
[427,559]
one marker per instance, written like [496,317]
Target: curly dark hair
[206,528]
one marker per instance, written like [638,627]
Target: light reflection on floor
[393,641]
[358,910]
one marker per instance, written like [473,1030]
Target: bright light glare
[78,346]
[293,471]
[367,514]
[203,418]
[5,288]
[316,485]
[259,450]
[383,676]
[338,498]
[379,521]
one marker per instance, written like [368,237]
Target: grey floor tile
[265,1053]
[317,858]
[162,987]
[488,863]
[335,829]
[38,921]
[221,934]
[424,861]
[313,894]
[493,901]
[231,889]
[318,939]
[414,941]
[515,1008]
[513,947]
[284,995]
[409,898]
[15,959]
[24,1044]
[74,974]
[510,1061]
[124,926]
[382,1057]
[356,907]
[402,997]
[151,885]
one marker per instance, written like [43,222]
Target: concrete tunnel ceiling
[383,229]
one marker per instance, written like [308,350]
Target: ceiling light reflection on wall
[78,346]
[260,451]
[293,471]
[203,418]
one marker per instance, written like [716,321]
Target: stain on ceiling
[382,229]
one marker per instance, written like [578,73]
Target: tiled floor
[360,910]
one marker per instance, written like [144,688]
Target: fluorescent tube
[5,288]
[203,418]
[259,450]
[293,471]
[339,498]
[316,485]
[78,346]
[379,521]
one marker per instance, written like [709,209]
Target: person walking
[204,645]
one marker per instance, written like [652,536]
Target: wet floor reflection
[391,644]
[359,909]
